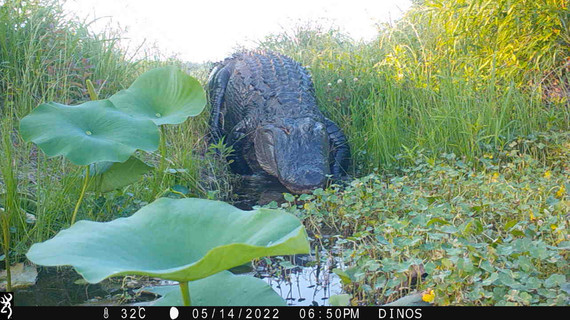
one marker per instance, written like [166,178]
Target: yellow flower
[532,218]
[561,191]
[495,177]
[428,296]
[548,174]
[553,227]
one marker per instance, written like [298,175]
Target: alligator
[263,104]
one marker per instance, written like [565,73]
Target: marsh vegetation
[458,117]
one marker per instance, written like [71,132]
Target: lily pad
[91,132]
[164,95]
[108,176]
[174,239]
[221,289]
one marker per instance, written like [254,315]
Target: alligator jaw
[305,180]
[301,190]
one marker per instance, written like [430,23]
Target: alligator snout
[305,180]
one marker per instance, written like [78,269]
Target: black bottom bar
[301,313]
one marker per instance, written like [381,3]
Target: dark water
[258,190]
[57,287]
[300,280]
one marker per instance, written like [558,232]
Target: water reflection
[306,287]
[302,282]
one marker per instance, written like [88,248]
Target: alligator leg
[339,150]
[241,149]
[217,88]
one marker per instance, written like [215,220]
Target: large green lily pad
[221,289]
[174,239]
[87,133]
[164,95]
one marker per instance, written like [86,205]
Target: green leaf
[221,289]
[164,95]
[487,266]
[510,224]
[108,176]
[348,275]
[532,283]
[554,280]
[340,300]
[173,239]
[288,197]
[473,227]
[412,300]
[525,297]
[494,276]
[508,280]
[91,132]
[344,277]
[438,221]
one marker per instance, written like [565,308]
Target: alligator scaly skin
[252,89]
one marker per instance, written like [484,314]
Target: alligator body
[263,103]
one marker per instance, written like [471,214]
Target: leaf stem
[83,188]
[185,293]
[162,165]
[94,96]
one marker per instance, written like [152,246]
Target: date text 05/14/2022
[302,313]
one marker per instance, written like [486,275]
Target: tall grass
[450,76]
[48,56]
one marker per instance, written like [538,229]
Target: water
[303,285]
[57,287]
[258,189]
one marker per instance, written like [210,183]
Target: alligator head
[296,151]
